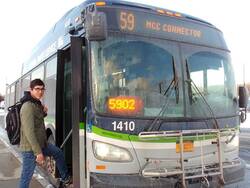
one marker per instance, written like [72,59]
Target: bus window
[211,71]
[50,84]
[139,69]
[38,73]
[12,95]
[17,95]
[25,84]
[7,97]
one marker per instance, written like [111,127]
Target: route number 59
[127,21]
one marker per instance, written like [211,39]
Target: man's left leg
[28,167]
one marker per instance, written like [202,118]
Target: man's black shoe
[67,183]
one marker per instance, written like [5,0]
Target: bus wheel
[178,185]
[51,166]
[204,182]
[50,162]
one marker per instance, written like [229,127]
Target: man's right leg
[52,150]
[29,164]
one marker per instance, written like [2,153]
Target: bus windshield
[212,74]
[131,76]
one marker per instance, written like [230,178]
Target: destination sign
[157,26]
[125,105]
[127,22]
[163,26]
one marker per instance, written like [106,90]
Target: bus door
[79,108]
[63,105]
[71,107]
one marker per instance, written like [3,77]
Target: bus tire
[50,162]
[51,139]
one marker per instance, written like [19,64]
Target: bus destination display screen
[163,26]
[125,105]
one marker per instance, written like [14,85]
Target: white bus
[148,93]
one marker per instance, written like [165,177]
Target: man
[33,143]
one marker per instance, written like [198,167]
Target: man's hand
[40,159]
[45,109]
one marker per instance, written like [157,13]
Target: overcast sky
[24,23]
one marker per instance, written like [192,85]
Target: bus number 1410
[124,126]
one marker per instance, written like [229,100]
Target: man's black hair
[36,82]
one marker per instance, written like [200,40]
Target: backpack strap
[10,107]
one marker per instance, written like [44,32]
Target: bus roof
[149,8]
[58,37]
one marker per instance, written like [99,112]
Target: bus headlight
[108,152]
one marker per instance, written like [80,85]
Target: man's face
[37,92]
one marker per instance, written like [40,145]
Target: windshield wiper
[173,86]
[190,95]
[174,83]
[191,83]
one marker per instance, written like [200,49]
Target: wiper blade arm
[191,83]
[174,84]
[190,96]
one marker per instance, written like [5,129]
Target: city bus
[138,96]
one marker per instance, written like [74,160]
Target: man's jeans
[29,164]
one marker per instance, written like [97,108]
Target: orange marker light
[101,3]
[188,146]
[177,14]
[160,11]
[169,13]
[100,167]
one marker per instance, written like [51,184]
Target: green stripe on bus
[134,138]
[110,134]
[81,125]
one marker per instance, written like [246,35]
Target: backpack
[13,123]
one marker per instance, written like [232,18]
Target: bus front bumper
[231,175]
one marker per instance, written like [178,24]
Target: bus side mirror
[95,24]
[243,97]
[243,100]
